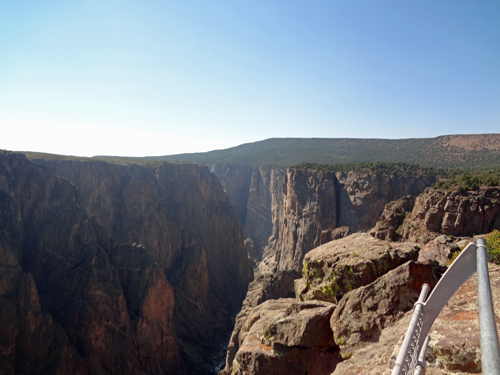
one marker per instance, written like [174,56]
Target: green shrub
[493,245]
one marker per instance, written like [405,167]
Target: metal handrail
[473,258]
[490,351]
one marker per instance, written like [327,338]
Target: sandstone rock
[389,225]
[363,313]
[287,337]
[333,269]
[453,214]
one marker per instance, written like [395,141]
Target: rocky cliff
[364,287]
[74,300]
[440,212]
[316,204]
[170,274]
[451,213]
[181,215]
[289,213]
[256,195]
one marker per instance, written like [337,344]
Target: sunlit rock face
[316,203]
[286,214]
[451,213]
[170,273]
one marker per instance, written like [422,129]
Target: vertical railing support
[407,357]
[490,351]
[421,365]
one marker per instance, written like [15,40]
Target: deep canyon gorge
[111,268]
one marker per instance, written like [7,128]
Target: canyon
[128,268]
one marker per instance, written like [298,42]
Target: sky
[149,78]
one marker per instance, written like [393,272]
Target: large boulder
[390,223]
[340,266]
[363,313]
[287,337]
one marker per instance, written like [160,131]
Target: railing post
[421,365]
[490,351]
[407,357]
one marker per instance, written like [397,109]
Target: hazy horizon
[152,78]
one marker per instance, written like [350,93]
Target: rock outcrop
[378,283]
[287,337]
[455,339]
[271,285]
[363,313]
[390,224]
[453,214]
[185,222]
[338,267]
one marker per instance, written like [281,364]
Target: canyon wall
[317,204]
[454,214]
[72,299]
[256,195]
[180,214]
[353,303]
[289,213]
[155,295]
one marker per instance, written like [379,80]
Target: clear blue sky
[123,77]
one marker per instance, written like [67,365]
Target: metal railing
[411,357]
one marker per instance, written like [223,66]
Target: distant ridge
[477,151]
[470,152]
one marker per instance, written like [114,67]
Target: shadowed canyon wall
[104,303]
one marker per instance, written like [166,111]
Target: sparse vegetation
[400,169]
[470,181]
[492,245]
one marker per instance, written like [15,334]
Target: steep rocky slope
[316,203]
[362,286]
[451,213]
[289,213]
[155,296]
[72,299]
[181,216]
